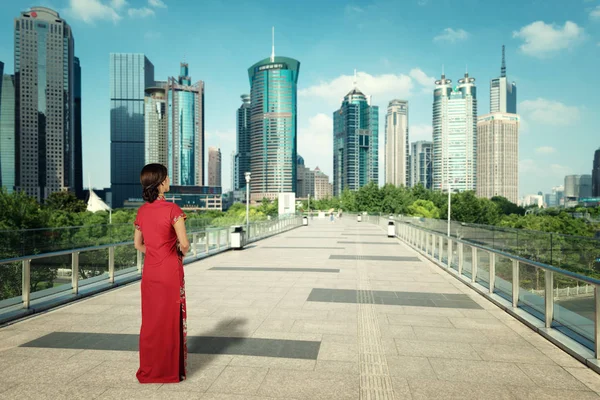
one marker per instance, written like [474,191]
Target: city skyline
[546,155]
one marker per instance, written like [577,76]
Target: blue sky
[397,46]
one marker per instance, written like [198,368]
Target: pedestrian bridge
[325,311]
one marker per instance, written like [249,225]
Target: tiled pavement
[300,324]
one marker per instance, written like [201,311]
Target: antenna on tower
[355,78]
[273,44]
[503,68]
[443,75]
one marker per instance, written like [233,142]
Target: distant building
[45,104]
[585,187]
[503,94]
[214,167]
[305,184]
[130,74]
[193,198]
[323,188]
[596,175]
[7,131]
[156,122]
[396,144]
[186,129]
[273,137]
[244,153]
[355,143]
[78,150]
[532,200]
[455,135]
[576,187]
[421,170]
[498,156]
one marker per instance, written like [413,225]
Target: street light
[247,175]
[449,206]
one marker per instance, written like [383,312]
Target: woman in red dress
[160,234]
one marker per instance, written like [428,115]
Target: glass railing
[563,301]
[46,278]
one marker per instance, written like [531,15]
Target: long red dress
[163,347]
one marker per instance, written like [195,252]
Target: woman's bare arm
[138,241]
[184,243]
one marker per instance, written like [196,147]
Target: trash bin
[237,238]
[305,221]
[358,218]
[391,229]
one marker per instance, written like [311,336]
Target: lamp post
[449,206]
[247,175]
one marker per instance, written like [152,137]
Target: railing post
[26,283]
[139,261]
[218,239]
[473,264]
[492,271]
[111,264]
[195,244]
[515,283]
[441,249]
[426,242]
[206,245]
[75,272]
[597,321]
[460,258]
[549,297]
[450,253]
[228,237]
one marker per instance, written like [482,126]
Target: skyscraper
[243,143]
[44,83]
[7,131]
[596,174]
[214,166]
[421,169]
[322,187]
[156,126]
[273,140]
[186,129]
[78,138]
[130,74]
[498,156]
[396,144]
[503,95]
[355,143]
[454,134]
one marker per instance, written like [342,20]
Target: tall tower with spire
[273,126]
[503,95]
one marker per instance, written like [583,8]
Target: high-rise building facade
[323,189]
[243,143]
[498,156]
[44,84]
[214,166]
[7,131]
[455,134]
[585,187]
[304,179]
[78,133]
[129,76]
[273,131]
[596,175]
[355,143]
[156,126]
[503,94]
[421,168]
[396,144]
[186,129]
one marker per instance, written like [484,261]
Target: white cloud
[420,132]
[451,36]
[381,87]
[545,150]
[91,10]
[140,12]
[595,13]
[118,4]
[534,174]
[157,3]
[543,40]
[315,143]
[422,78]
[549,112]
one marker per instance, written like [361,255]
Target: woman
[160,235]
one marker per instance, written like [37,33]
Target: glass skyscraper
[421,170]
[273,140]
[44,84]
[130,74]
[355,143]
[503,94]
[156,125]
[242,158]
[186,129]
[78,139]
[596,174]
[396,144]
[455,134]
[7,131]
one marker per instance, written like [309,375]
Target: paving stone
[419,320]
[239,380]
[537,393]
[511,353]
[310,385]
[416,348]
[425,389]
[585,375]
[484,372]
[36,391]
[410,367]
[551,376]
[338,351]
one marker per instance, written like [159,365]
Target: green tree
[424,208]
[507,207]
[64,201]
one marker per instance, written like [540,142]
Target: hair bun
[150,193]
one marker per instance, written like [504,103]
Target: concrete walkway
[329,311]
